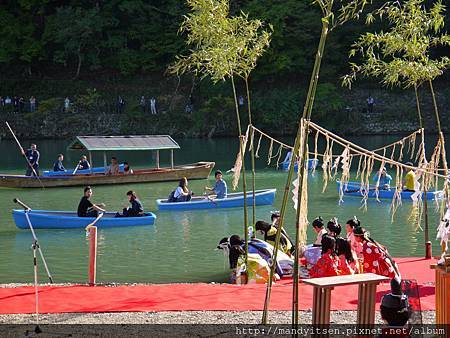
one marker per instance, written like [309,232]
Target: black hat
[218,172]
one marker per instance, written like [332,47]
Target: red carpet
[177,297]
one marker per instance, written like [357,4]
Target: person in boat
[113,168]
[350,225]
[375,257]
[410,177]
[220,188]
[348,262]
[334,228]
[383,179]
[86,208]
[182,192]
[270,232]
[58,165]
[136,209]
[328,263]
[33,157]
[127,169]
[84,164]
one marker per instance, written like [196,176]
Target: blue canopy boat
[312,164]
[233,200]
[94,170]
[48,219]
[354,189]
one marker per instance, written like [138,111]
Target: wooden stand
[442,273]
[92,255]
[367,283]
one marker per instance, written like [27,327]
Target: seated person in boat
[410,177]
[383,179]
[395,310]
[220,188]
[328,263]
[334,228]
[348,262]
[86,208]
[375,257]
[126,169]
[349,227]
[84,164]
[270,232]
[58,165]
[181,193]
[136,208]
[113,168]
[288,157]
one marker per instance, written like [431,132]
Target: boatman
[383,178]
[113,168]
[86,208]
[58,165]
[410,178]
[33,158]
[84,164]
[220,188]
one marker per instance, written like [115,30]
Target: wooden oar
[90,225]
[76,168]
[23,153]
[210,199]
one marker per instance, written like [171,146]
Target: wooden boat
[95,170]
[47,219]
[312,164]
[199,170]
[354,189]
[233,200]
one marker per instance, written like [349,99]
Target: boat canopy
[127,142]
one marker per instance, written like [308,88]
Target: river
[180,247]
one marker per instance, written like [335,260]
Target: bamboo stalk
[252,150]
[306,114]
[244,182]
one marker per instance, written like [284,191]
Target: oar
[90,225]
[27,209]
[76,168]
[210,199]
[23,153]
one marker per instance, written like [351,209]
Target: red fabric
[177,297]
[326,266]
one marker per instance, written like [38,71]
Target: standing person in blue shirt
[385,179]
[58,165]
[220,188]
[33,158]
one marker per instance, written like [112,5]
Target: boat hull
[312,164]
[200,170]
[353,189]
[94,170]
[46,219]
[234,200]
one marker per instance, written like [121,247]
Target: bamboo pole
[306,113]
[428,250]
[441,138]
[250,122]
[244,182]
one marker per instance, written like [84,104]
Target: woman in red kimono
[328,263]
[376,258]
[348,262]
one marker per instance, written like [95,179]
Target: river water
[180,247]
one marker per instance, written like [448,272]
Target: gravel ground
[186,317]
